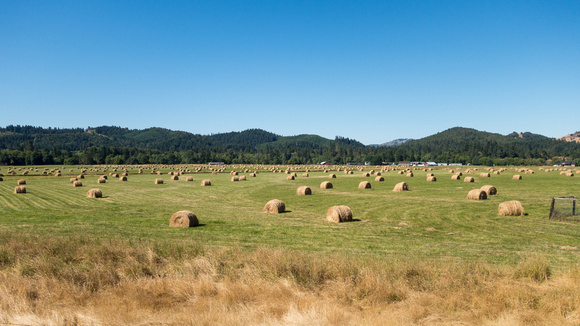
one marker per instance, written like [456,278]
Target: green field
[432,221]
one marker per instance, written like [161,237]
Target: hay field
[423,250]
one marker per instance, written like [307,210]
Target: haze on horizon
[373,71]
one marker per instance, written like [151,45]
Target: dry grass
[68,281]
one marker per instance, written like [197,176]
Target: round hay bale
[294,174]
[326,185]
[511,208]
[430,175]
[455,177]
[304,191]
[364,185]
[21,182]
[569,174]
[95,193]
[58,174]
[529,172]
[274,206]
[72,180]
[101,180]
[290,177]
[158,181]
[78,183]
[379,179]
[410,174]
[401,186]
[338,214]
[242,178]
[366,174]
[305,175]
[484,175]
[184,219]
[489,190]
[401,172]
[431,179]
[123,178]
[496,172]
[189,179]
[80,176]
[332,176]
[477,194]
[252,175]
[174,177]
[378,174]
[235,178]
[20,190]
[517,177]
[205,183]
[469,179]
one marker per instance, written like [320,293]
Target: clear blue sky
[369,70]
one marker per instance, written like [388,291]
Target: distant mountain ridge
[114,145]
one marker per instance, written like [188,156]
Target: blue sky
[369,70]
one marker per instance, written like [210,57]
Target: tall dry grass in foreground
[70,281]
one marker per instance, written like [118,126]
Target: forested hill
[465,145]
[20,145]
[18,137]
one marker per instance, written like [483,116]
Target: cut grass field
[399,244]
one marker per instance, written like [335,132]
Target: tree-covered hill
[21,145]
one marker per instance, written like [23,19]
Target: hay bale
[72,180]
[477,194]
[189,179]
[455,177]
[379,179]
[489,190]
[484,175]
[305,175]
[20,190]
[364,185]
[253,175]
[401,186]
[431,179]
[304,191]
[366,174]
[410,174]
[274,206]
[339,214]
[78,183]
[511,208]
[123,178]
[332,176]
[21,182]
[517,177]
[101,180]
[174,177]
[95,193]
[158,181]
[326,185]
[290,177]
[184,219]
[242,178]
[469,179]
[430,175]
[205,183]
